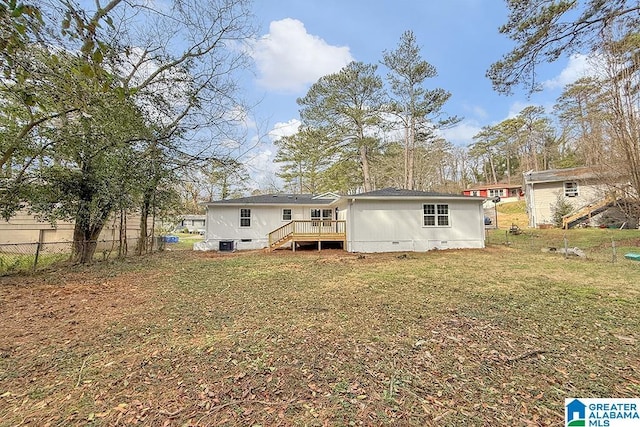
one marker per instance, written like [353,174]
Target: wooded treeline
[105,111]
[362,131]
[133,106]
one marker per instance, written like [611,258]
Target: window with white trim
[435,215]
[495,192]
[245,217]
[571,189]
[321,214]
[286,214]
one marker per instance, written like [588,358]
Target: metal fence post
[38,246]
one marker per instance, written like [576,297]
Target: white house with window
[581,187]
[378,221]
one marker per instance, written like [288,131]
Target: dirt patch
[52,325]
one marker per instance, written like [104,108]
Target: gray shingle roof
[275,199]
[310,199]
[398,192]
[556,175]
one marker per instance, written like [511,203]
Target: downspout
[484,228]
[529,199]
[532,206]
[350,226]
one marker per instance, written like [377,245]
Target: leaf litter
[330,338]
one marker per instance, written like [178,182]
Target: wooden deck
[308,231]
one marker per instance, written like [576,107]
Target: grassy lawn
[496,337]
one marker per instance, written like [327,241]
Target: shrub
[560,208]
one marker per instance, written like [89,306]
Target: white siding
[397,225]
[25,228]
[545,197]
[223,224]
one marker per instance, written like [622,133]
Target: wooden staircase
[588,211]
[308,231]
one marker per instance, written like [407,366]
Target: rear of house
[245,223]
[386,220]
[393,220]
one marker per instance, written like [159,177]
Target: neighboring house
[386,220]
[506,192]
[582,187]
[192,223]
[24,227]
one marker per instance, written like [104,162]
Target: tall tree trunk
[88,227]
[493,169]
[143,238]
[364,161]
[412,155]
[122,247]
[86,232]
[406,157]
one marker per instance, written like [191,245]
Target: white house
[584,188]
[192,223]
[379,221]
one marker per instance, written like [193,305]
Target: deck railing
[309,228]
[588,211]
[281,233]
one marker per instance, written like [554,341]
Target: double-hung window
[286,214]
[321,214]
[571,189]
[435,215]
[245,217]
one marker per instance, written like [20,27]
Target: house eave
[318,203]
[426,198]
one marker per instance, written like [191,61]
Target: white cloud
[260,163]
[476,110]
[284,129]
[516,107]
[288,58]
[462,133]
[579,65]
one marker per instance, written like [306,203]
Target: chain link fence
[22,257]
[599,245]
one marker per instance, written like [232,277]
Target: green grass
[598,244]
[478,337]
[185,241]
[16,263]
[518,207]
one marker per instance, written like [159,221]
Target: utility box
[226,246]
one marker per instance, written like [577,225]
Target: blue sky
[301,40]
